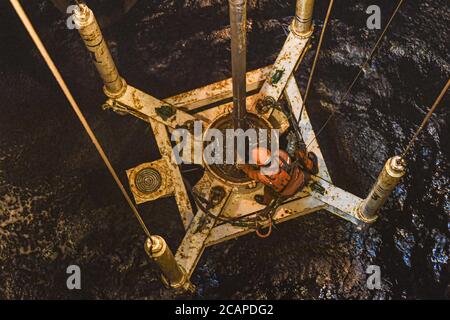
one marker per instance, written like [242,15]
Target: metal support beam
[286,212]
[295,101]
[146,107]
[238,22]
[180,192]
[193,244]
[217,91]
[161,116]
[282,70]
[339,202]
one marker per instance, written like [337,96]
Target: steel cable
[51,65]
[361,69]
[316,58]
[425,120]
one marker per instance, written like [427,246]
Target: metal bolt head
[397,164]
[83,14]
[155,246]
[265,104]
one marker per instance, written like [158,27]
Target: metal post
[302,24]
[173,276]
[92,36]
[388,179]
[238,21]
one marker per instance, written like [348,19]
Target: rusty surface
[165,188]
[217,91]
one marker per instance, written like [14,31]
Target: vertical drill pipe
[303,17]
[388,179]
[238,21]
[173,276]
[92,36]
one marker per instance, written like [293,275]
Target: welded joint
[302,26]
[360,216]
[300,35]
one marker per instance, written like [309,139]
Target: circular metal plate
[148,180]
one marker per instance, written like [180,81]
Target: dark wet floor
[59,206]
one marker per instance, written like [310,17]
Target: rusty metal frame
[204,104]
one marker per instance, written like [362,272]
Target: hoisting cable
[316,58]
[425,120]
[27,23]
[361,69]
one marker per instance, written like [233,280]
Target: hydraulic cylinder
[302,24]
[173,276]
[114,85]
[388,179]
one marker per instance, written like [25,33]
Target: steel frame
[274,81]
[207,104]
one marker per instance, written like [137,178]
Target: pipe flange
[184,284]
[306,35]
[83,16]
[155,246]
[396,167]
[118,94]
[360,215]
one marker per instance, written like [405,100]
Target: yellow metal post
[388,179]
[302,24]
[238,23]
[173,276]
[92,36]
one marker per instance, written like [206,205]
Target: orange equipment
[284,182]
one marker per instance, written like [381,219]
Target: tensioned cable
[369,58]
[425,120]
[316,58]
[28,25]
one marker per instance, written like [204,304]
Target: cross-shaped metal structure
[162,178]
